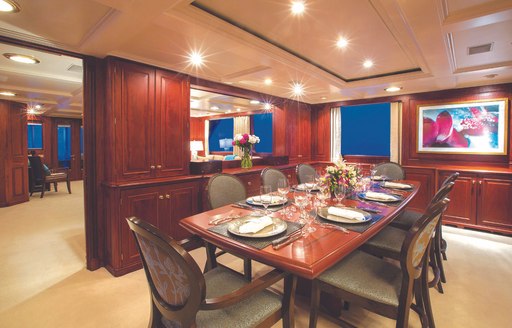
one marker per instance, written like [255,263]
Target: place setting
[348,218]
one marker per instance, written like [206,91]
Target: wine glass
[283,188]
[311,216]
[266,197]
[339,193]
[301,199]
[322,195]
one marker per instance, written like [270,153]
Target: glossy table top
[309,256]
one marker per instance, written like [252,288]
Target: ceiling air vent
[75,68]
[480,49]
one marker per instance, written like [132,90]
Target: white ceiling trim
[36,73]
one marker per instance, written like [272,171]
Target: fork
[223,219]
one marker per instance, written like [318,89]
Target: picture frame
[468,127]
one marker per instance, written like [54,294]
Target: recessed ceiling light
[267,106]
[368,63]
[228,111]
[22,58]
[238,109]
[298,7]
[9,6]
[195,58]
[297,89]
[393,89]
[254,102]
[342,42]
[31,111]
[323,98]
[38,106]
[214,108]
[7,93]
[268,81]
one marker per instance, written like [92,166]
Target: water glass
[301,199]
[283,188]
[266,197]
[339,193]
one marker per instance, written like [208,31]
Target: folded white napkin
[254,225]
[396,185]
[380,195]
[267,198]
[304,186]
[345,213]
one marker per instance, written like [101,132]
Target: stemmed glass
[266,197]
[311,216]
[301,199]
[323,194]
[283,188]
[339,193]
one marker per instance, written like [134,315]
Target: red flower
[233,143]
[246,136]
[243,141]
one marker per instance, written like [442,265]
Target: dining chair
[39,180]
[182,296]
[270,177]
[381,286]
[303,170]
[224,189]
[388,242]
[390,170]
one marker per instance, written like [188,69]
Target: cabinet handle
[159,167]
[161,197]
[167,196]
[249,183]
[480,182]
[289,176]
[299,156]
[472,186]
[152,167]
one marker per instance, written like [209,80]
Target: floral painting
[477,127]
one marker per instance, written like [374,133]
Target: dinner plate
[398,198]
[379,178]
[276,228]
[323,213]
[405,187]
[302,187]
[276,201]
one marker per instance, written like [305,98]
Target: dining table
[310,254]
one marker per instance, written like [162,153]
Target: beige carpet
[44,283]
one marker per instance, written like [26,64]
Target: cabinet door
[305,133]
[184,202]
[134,120]
[172,130]
[427,179]
[252,183]
[495,203]
[462,205]
[293,133]
[143,203]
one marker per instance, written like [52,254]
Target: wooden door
[462,207]
[133,97]
[495,203]
[172,124]
[293,136]
[184,202]
[305,133]
[144,203]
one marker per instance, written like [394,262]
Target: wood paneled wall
[197,131]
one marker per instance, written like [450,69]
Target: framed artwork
[474,127]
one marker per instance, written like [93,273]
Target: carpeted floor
[44,283]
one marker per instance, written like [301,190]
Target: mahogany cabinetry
[298,132]
[148,120]
[480,200]
[427,177]
[162,206]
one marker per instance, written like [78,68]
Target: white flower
[252,139]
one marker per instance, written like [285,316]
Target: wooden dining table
[310,255]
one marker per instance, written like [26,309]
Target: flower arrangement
[245,142]
[342,174]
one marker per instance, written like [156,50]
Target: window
[220,130]
[64,145]
[365,130]
[35,135]
[262,127]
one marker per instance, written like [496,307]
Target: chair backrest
[175,280]
[443,192]
[390,170]
[270,177]
[304,170]
[451,178]
[36,166]
[224,189]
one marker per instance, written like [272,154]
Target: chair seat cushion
[56,177]
[388,242]
[367,276]
[247,313]
[406,220]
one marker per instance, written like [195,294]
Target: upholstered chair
[182,296]
[40,180]
[390,170]
[303,170]
[224,189]
[381,286]
[270,177]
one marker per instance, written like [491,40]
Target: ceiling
[420,45]
[204,103]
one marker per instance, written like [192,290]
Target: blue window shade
[64,145]
[35,135]
[263,129]
[365,130]
[82,141]
[219,130]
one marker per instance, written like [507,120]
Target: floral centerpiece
[342,174]
[245,142]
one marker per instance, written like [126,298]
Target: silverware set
[223,218]
[288,239]
[331,226]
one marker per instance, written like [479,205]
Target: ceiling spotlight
[268,81]
[323,98]
[22,58]
[238,109]
[368,63]
[298,7]
[393,89]
[254,102]
[228,111]
[214,108]
[38,106]
[9,6]
[267,106]
[297,89]
[341,43]
[7,93]
[31,111]
[195,58]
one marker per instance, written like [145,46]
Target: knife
[286,240]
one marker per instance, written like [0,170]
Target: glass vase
[246,160]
